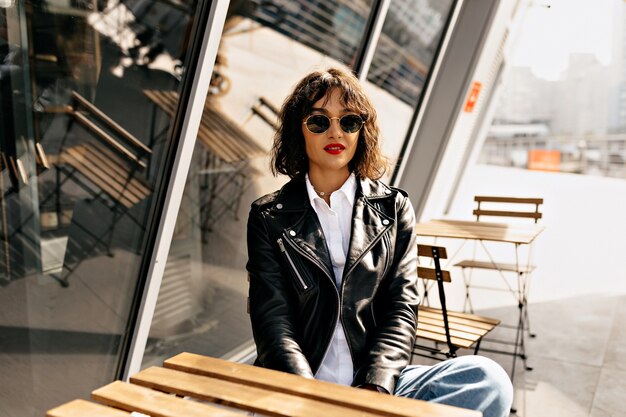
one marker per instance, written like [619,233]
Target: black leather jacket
[294,302]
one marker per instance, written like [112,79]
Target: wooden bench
[267,111]
[111,168]
[236,388]
[114,164]
[499,212]
[502,207]
[454,329]
[217,132]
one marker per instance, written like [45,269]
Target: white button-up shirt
[336,224]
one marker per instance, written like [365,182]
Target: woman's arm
[391,345]
[271,304]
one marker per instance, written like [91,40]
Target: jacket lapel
[306,233]
[368,222]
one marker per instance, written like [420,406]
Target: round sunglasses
[320,123]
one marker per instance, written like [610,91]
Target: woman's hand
[372,387]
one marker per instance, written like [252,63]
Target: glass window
[82,151]
[402,61]
[265,49]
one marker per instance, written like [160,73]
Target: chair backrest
[267,111]
[436,253]
[102,126]
[496,205]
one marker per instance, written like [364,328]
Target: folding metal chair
[454,330]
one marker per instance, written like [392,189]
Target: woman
[332,260]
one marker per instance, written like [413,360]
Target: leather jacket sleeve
[392,342]
[271,309]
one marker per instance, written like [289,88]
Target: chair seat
[469,263]
[465,329]
[108,172]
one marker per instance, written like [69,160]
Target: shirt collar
[348,189]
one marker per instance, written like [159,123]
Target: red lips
[334,148]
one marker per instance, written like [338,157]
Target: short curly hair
[289,152]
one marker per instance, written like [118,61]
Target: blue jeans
[473,382]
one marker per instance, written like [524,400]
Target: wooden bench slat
[427,251]
[264,101]
[295,385]
[217,131]
[82,408]
[455,320]
[502,213]
[256,109]
[231,394]
[469,321]
[460,317]
[156,404]
[88,124]
[105,169]
[472,335]
[78,157]
[97,161]
[429,273]
[423,320]
[125,177]
[463,343]
[518,200]
[76,160]
[229,138]
[469,263]
[82,101]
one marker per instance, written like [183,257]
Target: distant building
[525,98]
[578,104]
[518,130]
[582,97]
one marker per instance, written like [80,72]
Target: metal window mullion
[176,186]
[367,55]
[419,114]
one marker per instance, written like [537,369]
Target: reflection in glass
[402,61]
[265,49]
[82,152]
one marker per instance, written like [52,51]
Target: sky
[549,34]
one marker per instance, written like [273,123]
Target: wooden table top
[241,387]
[469,229]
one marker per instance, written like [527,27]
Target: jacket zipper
[387,260]
[315,261]
[293,266]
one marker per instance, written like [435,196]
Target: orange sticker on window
[472,98]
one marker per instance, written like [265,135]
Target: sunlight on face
[330,152]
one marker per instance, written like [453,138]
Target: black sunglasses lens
[318,123]
[351,123]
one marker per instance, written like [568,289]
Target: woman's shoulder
[293,190]
[380,188]
[265,201]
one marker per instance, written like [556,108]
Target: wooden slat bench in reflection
[109,166]
[225,164]
[217,131]
[115,166]
[238,387]
[107,172]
